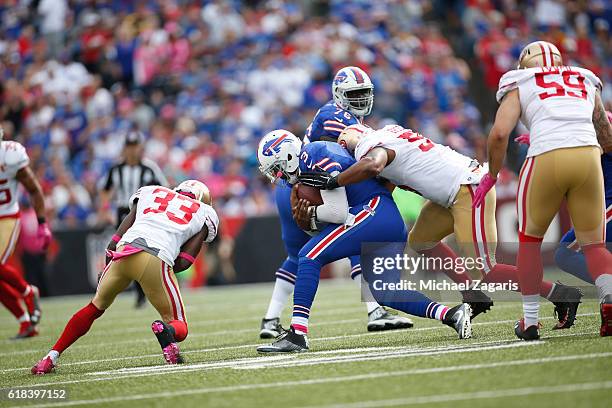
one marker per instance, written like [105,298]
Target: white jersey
[556,105]
[13,157]
[435,171]
[165,220]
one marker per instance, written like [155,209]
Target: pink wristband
[187,257]
[116,238]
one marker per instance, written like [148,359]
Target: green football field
[119,362]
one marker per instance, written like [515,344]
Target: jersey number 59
[573,84]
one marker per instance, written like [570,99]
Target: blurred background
[204,80]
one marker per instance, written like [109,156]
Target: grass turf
[119,362]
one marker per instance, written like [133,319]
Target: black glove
[320,180]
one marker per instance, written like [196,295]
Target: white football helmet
[278,154]
[195,189]
[353,91]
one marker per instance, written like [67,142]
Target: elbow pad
[335,207]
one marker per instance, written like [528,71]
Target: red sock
[529,264]
[502,273]
[441,250]
[10,275]
[598,259]
[180,329]
[11,300]
[77,326]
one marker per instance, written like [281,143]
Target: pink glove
[486,183]
[523,139]
[609,115]
[44,235]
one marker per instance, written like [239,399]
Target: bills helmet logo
[273,146]
[340,78]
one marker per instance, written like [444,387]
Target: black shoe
[566,300]
[478,301]
[459,319]
[527,334]
[288,342]
[605,309]
[270,328]
[165,336]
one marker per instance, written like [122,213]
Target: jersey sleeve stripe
[333,129]
[322,161]
[334,122]
[330,165]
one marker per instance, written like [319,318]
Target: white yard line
[492,394]
[222,348]
[236,363]
[369,376]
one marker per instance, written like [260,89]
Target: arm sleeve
[16,158]
[335,208]
[212,223]
[511,81]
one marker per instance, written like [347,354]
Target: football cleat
[528,334]
[566,300]
[270,328]
[165,336]
[44,366]
[478,301]
[32,301]
[605,308]
[26,330]
[288,342]
[459,318]
[380,319]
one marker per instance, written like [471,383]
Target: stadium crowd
[203,80]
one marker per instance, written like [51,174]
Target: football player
[162,235]
[562,108]
[447,180]
[363,212]
[15,169]
[353,98]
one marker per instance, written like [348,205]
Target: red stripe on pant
[164,277]
[523,198]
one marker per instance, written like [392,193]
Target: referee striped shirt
[125,180]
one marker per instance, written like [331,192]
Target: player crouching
[162,234]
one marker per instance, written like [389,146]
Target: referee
[125,178]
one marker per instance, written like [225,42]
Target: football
[313,195]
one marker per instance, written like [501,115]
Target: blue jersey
[606,165]
[329,122]
[331,157]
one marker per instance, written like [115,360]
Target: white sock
[27,291]
[54,355]
[531,308]
[366,294]
[280,295]
[604,285]
[24,318]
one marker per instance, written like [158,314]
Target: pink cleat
[165,337]
[44,366]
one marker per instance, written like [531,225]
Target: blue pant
[570,258]
[376,221]
[294,238]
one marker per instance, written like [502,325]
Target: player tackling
[162,234]
[562,108]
